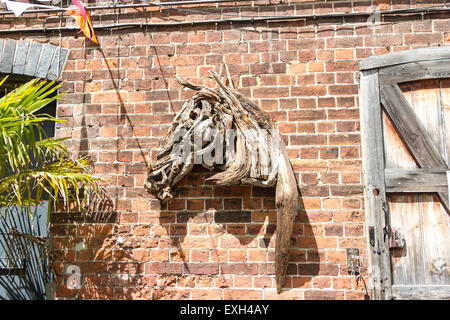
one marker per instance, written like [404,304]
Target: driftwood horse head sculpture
[220,128]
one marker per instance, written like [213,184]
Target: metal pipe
[131,6]
[237,20]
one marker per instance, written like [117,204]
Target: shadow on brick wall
[229,230]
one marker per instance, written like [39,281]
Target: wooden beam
[286,199]
[416,180]
[410,129]
[423,54]
[374,187]
[421,292]
[417,140]
[414,71]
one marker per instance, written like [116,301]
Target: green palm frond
[66,180]
[31,163]
[21,128]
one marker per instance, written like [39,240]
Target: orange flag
[85,24]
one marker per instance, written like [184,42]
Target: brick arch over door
[31,58]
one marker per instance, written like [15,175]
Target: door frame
[376,71]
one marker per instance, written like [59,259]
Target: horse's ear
[149,166]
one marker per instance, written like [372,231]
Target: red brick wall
[217,242]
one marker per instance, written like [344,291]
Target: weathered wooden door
[405,114]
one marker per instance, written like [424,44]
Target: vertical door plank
[397,155]
[374,186]
[445,105]
[407,262]
[436,238]
[397,205]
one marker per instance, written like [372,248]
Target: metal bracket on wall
[353,260]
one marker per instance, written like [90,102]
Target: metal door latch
[396,238]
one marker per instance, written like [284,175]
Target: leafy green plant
[31,163]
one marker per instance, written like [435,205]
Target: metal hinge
[372,236]
[396,238]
